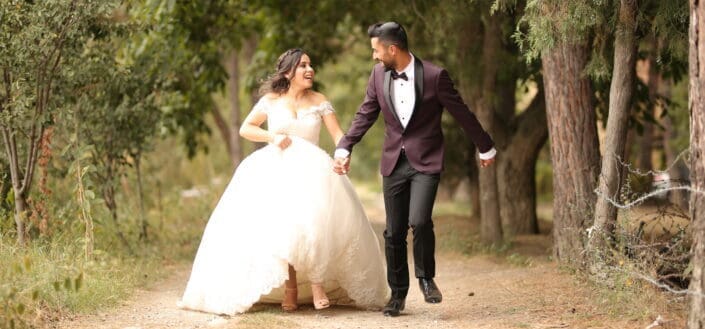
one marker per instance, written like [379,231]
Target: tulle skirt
[286,207]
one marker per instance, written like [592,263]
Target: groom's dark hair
[391,33]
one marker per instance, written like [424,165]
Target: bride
[287,228]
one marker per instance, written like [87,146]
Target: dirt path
[479,292]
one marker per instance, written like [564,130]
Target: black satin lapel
[418,86]
[418,82]
[387,93]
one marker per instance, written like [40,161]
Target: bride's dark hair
[286,64]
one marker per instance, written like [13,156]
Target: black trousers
[408,200]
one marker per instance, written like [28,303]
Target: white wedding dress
[287,207]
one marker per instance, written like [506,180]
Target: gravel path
[479,292]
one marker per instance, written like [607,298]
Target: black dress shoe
[430,291]
[394,306]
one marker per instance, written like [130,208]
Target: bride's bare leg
[290,292]
[320,300]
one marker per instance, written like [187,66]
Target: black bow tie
[396,75]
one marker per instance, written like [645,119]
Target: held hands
[281,140]
[486,163]
[341,166]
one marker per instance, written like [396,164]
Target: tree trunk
[20,217]
[17,188]
[490,220]
[143,220]
[229,128]
[678,171]
[5,185]
[646,141]
[474,184]
[696,104]
[621,90]
[233,67]
[222,125]
[108,188]
[574,145]
[516,170]
[85,206]
[646,138]
[470,91]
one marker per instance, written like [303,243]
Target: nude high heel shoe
[290,298]
[320,300]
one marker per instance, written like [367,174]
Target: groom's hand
[486,163]
[341,166]
[281,140]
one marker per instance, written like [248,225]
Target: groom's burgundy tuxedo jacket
[423,138]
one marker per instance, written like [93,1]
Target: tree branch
[31,161]
[8,84]
[35,139]
[221,123]
[418,13]
[535,113]
[531,126]
[43,94]
[11,150]
[60,38]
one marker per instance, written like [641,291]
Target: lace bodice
[306,125]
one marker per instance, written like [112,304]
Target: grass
[631,299]
[622,294]
[51,277]
[49,280]
[450,208]
[618,294]
[265,317]
[458,232]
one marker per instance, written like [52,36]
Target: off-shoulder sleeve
[327,108]
[262,105]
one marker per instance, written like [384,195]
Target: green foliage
[667,22]
[46,280]
[40,44]
[546,22]
[187,41]
[21,299]
[680,116]
[323,34]
[116,116]
[38,40]
[113,272]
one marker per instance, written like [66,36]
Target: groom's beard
[387,65]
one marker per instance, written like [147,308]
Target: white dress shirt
[404,94]
[404,99]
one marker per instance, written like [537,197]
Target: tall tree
[490,220]
[620,97]
[558,32]
[37,37]
[520,132]
[574,151]
[696,104]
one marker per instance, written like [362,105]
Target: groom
[411,94]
